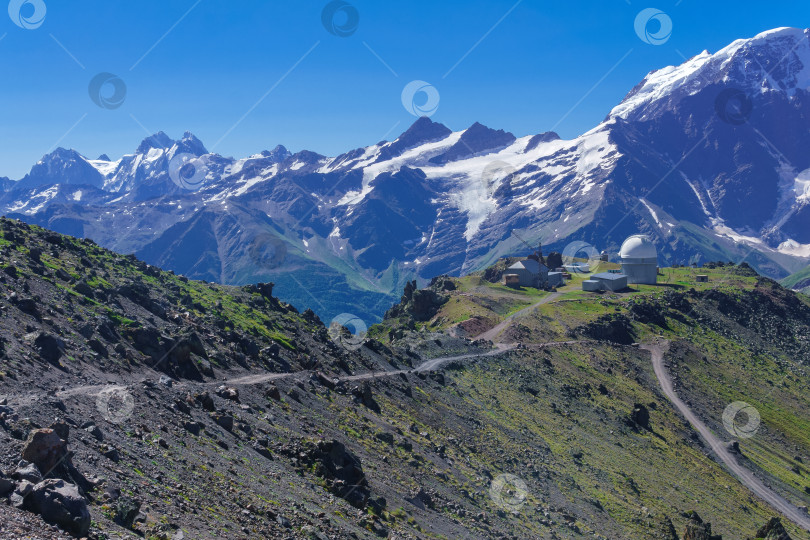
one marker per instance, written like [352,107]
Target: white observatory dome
[638,246]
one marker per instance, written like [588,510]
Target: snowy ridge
[748,63]
[438,201]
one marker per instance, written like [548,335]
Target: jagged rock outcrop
[616,328]
[422,304]
[696,529]
[773,530]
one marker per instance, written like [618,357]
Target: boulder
[20,493]
[45,449]
[112,454]
[49,347]
[773,530]
[205,400]
[273,393]
[228,393]
[193,427]
[696,529]
[61,428]
[83,288]
[61,503]
[224,420]
[95,431]
[640,416]
[28,471]
[342,470]
[6,485]
[126,510]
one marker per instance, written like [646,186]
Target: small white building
[639,260]
[591,285]
[608,281]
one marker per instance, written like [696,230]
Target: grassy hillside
[737,337]
[249,419]
[799,281]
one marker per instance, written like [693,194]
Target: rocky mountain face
[707,158]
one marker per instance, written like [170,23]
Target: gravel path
[745,476]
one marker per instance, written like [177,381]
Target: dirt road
[492,333]
[745,476]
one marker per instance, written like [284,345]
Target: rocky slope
[162,407]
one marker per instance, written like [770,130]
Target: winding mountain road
[754,484]
[744,475]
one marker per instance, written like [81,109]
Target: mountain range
[707,158]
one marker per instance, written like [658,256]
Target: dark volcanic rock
[640,417]
[773,530]
[340,468]
[61,503]
[696,529]
[616,328]
[49,347]
[422,304]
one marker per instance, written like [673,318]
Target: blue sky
[204,65]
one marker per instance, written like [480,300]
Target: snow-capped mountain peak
[666,162]
[776,60]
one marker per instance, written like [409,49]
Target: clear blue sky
[223,56]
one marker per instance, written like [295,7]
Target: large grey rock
[28,471]
[61,503]
[23,489]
